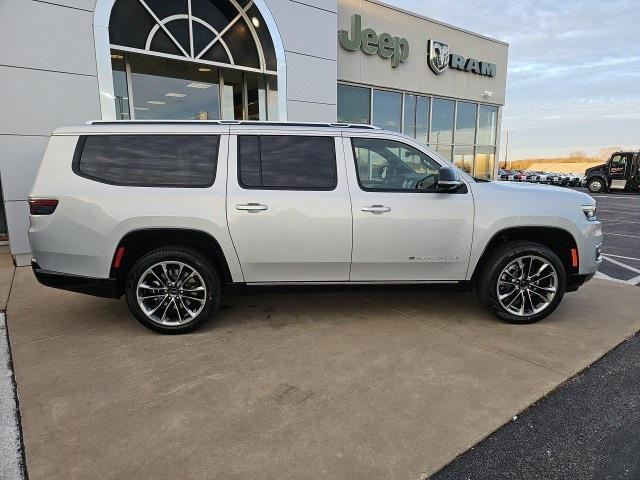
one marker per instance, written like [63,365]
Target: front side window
[618,164]
[149,160]
[388,165]
[286,162]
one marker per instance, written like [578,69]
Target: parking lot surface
[385,383]
[589,428]
[620,215]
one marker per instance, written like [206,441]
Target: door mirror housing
[448,180]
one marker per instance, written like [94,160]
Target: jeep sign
[367,40]
[396,48]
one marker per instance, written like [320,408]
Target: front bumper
[98,287]
[576,281]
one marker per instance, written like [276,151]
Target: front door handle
[376,209]
[252,207]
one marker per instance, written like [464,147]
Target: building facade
[63,62]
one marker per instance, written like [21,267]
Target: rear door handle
[252,207]
[376,209]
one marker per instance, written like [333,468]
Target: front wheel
[173,290]
[522,282]
[595,185]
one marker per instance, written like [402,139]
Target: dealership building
[64,62]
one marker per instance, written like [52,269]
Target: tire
[500,273]
[184,302]
[596,185]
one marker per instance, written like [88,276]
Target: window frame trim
[79,150]
[290,189]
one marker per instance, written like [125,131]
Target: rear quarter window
[181,161]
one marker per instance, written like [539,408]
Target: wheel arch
[598,176]
[137,243]
[559,240]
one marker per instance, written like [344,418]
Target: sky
[573,79]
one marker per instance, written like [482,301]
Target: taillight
[42,206]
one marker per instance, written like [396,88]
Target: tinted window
[287,162]
[150,160]
[387,165]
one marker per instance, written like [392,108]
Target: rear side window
[280,162]
[148,160]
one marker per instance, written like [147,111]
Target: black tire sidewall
[486,286]
[190,257]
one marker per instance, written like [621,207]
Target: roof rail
[233,122]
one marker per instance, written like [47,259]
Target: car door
[618,170]
[403,229]
[288,206]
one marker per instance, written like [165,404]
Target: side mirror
[448,180]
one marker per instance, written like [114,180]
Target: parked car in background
[575,179]
[167,213]
[532,177]
[506,175]
[520,176]
[620,172]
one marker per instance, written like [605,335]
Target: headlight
[589,211]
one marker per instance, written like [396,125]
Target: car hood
[597,168]
[527,193]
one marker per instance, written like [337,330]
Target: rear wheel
[173,290]
[522,282]
[595,185]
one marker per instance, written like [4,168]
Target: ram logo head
[438,56]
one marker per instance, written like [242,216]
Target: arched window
[193,59]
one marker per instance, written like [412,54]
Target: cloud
[572,65]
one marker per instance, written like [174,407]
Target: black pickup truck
[621,172]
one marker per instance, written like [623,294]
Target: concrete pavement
[372,383]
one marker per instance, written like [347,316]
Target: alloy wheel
[595,186]
[171,293]
[527,285]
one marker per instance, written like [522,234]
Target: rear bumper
[98,287]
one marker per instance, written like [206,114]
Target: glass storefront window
[444,150]
[256,97]
[442,121]
[354,104]
[485,160]
[120,88]
[466,124]
[387,110]
[487,120]
[409,121]
[173,90]
[272,97]
[463,158]
[422,119]
[232,102]
[167,89]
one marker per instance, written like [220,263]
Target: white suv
[166,213]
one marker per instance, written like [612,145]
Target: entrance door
[402,228]
[288,207]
